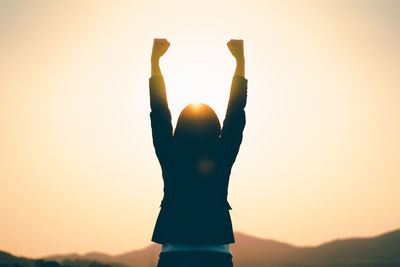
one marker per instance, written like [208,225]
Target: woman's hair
[197,123]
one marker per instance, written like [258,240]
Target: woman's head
[197,122]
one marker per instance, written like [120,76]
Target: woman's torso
[195,209]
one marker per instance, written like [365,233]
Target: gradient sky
[320,157]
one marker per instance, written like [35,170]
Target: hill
[382,250]
[8,260]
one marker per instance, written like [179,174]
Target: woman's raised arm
[235,119]
[160,115]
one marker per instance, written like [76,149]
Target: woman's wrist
[155,60]
[240,59]
[239,66]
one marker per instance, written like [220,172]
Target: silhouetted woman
[194,224]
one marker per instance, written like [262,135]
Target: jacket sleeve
[235,120]
[160,118]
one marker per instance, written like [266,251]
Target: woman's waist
[189,203]
[171,247]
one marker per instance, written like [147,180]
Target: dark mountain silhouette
[145,257]
[249,251]
[383,250]
[253,251]
[8,260]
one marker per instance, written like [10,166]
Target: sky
[320,158]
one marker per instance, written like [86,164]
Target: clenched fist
[160,46]
[236,48]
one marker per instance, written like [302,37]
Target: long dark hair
[197,121]
[198,128]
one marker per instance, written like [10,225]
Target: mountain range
[382,250]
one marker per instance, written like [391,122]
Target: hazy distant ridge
[383,250]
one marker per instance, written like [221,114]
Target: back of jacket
[195,209]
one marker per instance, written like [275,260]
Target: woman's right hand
[160,46]
[236,48]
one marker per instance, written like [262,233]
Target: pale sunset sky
[320,158]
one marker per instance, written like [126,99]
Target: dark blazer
[194,209]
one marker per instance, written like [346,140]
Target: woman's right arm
[235,119]
[160,115]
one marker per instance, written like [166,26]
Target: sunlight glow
[198,73]
[320,153]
